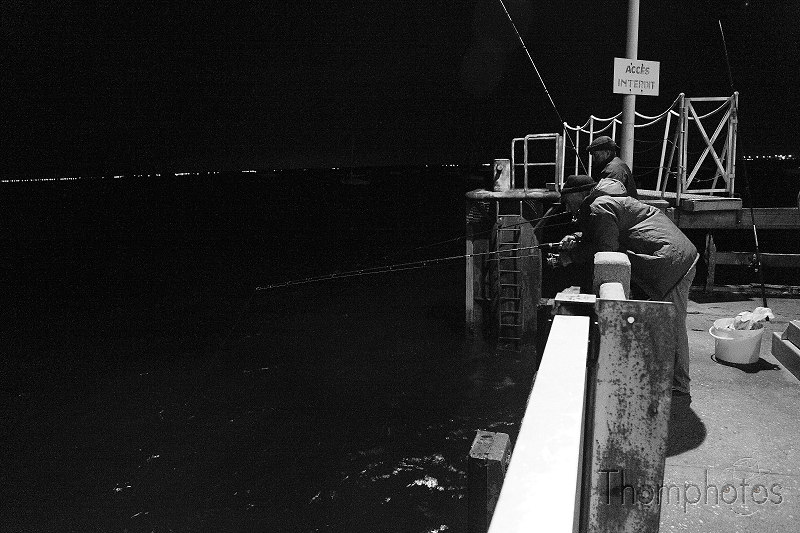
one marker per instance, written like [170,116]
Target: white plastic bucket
[740,346]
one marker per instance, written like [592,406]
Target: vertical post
[591,138]
[664,151]
[559,170]
[470,282]
[486,470]
[733,131]
[477,244]
[684,153]
[711,261]
[635,359]
[525,151]
[629,100]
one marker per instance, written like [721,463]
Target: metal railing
[685,145]
[521,146]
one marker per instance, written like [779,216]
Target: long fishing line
[480,234]
[397,267]
[544,86]
[524,222]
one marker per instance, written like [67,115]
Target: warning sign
[635,76]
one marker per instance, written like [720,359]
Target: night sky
[142,86]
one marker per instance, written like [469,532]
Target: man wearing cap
[662,258]
[606,164]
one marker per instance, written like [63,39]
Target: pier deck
[739,428]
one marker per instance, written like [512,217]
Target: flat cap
[604,142]
[577,183]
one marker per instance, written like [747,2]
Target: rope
[717,110]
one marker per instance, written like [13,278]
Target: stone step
[792,333]
[786,353]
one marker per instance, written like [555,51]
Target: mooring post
[470,282]
[488,459]
[710,255]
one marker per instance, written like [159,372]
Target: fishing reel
[553,258]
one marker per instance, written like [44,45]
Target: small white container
[740,346]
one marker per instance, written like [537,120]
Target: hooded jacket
[611,221]
[617,169]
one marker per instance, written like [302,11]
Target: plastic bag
[751,319]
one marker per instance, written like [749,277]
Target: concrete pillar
[630,417]
[486,470]
[612,267]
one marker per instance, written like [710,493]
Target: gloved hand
[569,242]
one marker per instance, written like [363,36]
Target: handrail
[678,161]
[557,162]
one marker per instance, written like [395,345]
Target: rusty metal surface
[631,415]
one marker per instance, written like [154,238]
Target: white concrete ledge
[542,483]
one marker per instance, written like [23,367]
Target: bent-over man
[662,258]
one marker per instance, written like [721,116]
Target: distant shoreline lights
[775,157]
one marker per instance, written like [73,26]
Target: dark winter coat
[611,221]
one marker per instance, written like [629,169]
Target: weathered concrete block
[611,267]
[631,415]
[611,291]
[488,459]
[787,353]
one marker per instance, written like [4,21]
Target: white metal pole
[629,100]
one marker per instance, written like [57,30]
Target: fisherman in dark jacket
[606,164]
[662,258]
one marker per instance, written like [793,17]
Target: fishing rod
[743,166]
[544,86]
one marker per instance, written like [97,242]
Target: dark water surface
[344,405]
[138,394]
